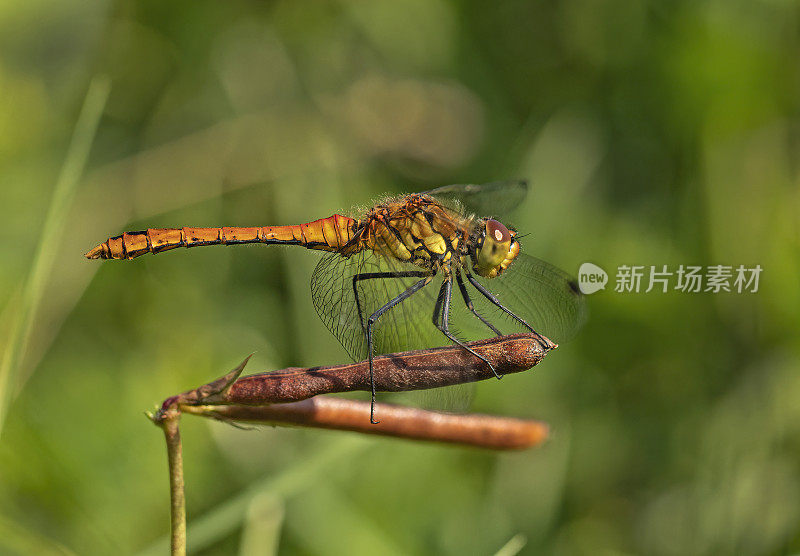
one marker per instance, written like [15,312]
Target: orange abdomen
[326,234]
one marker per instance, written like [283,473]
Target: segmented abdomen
[326,234]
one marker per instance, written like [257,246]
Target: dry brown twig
[287,397]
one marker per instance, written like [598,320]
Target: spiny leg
[470,306]
[488,295]
[374,275]
[443,307]
[371,321]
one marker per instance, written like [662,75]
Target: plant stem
[481,431]
[169,424]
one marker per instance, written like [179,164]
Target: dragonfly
[374,289]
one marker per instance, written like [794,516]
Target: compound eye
[497,231]
[496,243]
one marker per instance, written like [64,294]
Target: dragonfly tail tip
[96,253]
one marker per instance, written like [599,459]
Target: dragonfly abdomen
[326,234]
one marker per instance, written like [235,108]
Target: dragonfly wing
[407,326]
[544,296]
[495,199]
[536,291]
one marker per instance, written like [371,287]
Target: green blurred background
[653,133]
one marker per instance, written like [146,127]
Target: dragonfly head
[495,248]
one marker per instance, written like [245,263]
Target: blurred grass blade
[41,267]
[262,529]
[15,538]
[328,521]
[514,546]
[204,531]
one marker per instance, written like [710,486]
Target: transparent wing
[409,325]
[490,199]
[405,327]
[544,296]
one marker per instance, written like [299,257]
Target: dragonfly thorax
[419,230]
[416,230]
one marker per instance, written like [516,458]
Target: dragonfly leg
[488,295]
[470,306]
[375,275]
[371,322]
[441,319]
